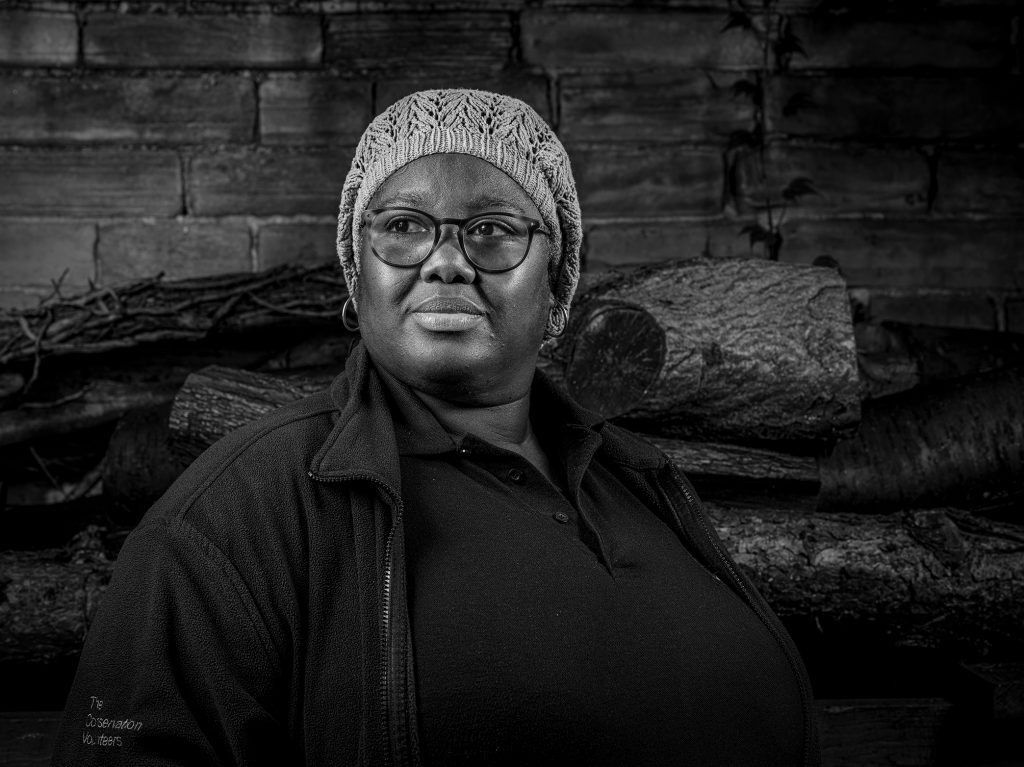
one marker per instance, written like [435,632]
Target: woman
[441,560]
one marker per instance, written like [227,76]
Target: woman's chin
[450,358]
[451,365]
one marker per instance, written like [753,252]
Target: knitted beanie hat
[502,130]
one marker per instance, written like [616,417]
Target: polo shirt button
[517,476]
[561,516]
[463,451]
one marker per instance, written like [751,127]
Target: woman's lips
[447,314]
[448,305]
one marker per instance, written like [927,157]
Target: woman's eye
[490,229]
[405,226]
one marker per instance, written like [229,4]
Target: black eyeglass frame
[533,227]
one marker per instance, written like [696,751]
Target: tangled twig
[105,318]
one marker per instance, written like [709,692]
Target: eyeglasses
[491,242]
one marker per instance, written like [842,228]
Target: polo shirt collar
[378,421]
[418,432]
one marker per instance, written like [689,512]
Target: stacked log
[48,597]
[757,351]
[106,319]
[957,442]
[746,373]
[935,578]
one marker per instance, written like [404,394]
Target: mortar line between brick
[253,231]
[323,40]
[998,300]
[932,157]
[555,100]
[183,184]
[515,54]
[80,36]
[256,138]
[97,274]
[1018,44]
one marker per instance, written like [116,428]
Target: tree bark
[895,357]
[939,579]
[138,465]
[746,477]
[48,597]
[97,403]
[79,392]
[755,351]
[959,442]
[217,400]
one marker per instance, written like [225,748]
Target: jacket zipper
[716,545]
[385,612]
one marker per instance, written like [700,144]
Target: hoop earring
[350,316]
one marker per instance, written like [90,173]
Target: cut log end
[618,353]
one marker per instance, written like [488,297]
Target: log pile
[867,477]
[756,351]
[156,310]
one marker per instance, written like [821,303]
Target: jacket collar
[362,443]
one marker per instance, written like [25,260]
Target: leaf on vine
[788,44]
[797,102]
[738,20]
[756,233]
[746,88]
[798,187]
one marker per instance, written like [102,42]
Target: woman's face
[444,327]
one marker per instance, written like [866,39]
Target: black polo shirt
[569,624]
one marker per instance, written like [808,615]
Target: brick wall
[199,137]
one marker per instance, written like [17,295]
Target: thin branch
[279,309]
[55,403]
[42,465]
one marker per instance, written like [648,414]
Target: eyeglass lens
[492,242]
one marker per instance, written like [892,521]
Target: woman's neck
[506,425]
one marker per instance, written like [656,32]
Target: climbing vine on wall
[778,44]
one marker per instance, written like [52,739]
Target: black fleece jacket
[258,615]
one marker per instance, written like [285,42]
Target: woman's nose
[448,263]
